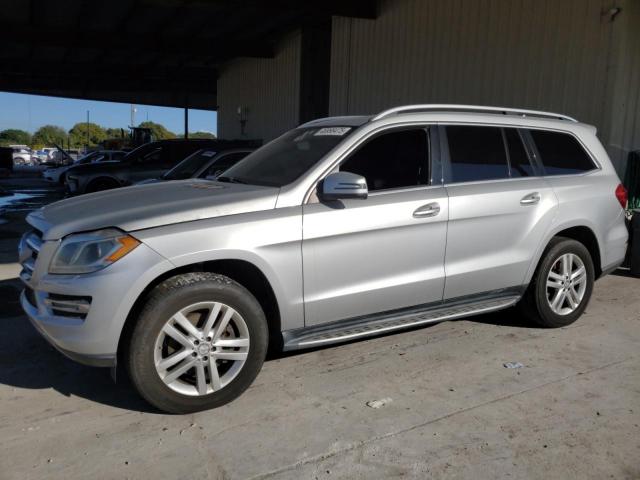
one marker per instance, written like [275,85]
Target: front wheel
[199,342]
[562,284]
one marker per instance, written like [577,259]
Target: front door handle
[428,210]
[530,199]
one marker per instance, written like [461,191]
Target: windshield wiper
[230,180]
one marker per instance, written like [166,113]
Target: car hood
[147,206]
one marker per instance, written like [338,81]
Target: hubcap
[201,348]
[566,284]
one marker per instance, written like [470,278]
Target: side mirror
[343,185]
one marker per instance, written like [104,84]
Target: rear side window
[476,153]
[561,153]
[518,158]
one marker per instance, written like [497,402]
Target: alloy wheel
[201,348]
[566,284]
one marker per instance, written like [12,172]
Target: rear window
[561,153]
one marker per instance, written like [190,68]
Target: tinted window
[518,159]
[152,157]
[284,159]
[560,153]
[392,160]
[190,165]
[476,153]
[223,163]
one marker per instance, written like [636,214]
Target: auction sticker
[334,131]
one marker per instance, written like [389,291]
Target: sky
[30,112]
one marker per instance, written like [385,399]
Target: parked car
[22,155]
[204,163]
[342,228]
[148,161]
[58,174]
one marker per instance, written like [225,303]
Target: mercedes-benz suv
[342,228]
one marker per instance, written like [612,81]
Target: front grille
[29,250]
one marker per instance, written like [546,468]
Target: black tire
[101,184]
[534,304]
[164,301]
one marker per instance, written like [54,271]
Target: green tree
[84,133]
[200,135]
[13,136]
[158,131]
[50,134]
[116,132]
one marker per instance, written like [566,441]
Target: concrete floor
[572,411]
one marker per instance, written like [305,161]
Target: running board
[346,330]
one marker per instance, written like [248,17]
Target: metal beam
[210,48]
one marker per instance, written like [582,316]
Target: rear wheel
[199,342]
[562,284]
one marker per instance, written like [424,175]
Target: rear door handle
[530,199]
[428,210]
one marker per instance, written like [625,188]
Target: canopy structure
[158,52]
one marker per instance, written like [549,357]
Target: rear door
[499,208]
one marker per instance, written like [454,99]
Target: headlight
[89,252]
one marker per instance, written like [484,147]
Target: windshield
[286,158]
[190,165]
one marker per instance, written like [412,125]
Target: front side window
[396,159]
[476,153]
[286,158]
[561,153]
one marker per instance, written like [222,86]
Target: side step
[343,331]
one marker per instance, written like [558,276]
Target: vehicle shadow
[28,361]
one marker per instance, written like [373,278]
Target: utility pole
[133,115]
[87,146]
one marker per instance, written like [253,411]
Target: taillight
[621,195]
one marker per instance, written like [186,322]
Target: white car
[22,155]
[57,174]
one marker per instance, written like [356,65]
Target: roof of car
[459,113]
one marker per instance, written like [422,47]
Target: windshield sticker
[210,153]
[333,131]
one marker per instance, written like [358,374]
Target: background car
[22,155]
[58,174]
[151,160]
[204,163]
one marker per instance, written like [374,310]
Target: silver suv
[342,228]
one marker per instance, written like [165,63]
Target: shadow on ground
[28,361]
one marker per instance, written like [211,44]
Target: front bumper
[39,324]
[92,337]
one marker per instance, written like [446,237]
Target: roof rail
[471,108]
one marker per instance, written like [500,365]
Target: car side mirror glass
[343,185]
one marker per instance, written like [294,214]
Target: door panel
[367,256]
[495,228]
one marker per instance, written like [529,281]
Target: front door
[384,253]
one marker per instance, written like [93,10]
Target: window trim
[431,128]
[538,157]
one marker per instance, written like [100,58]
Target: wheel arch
[581,232]
[101,178]
[244,272]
